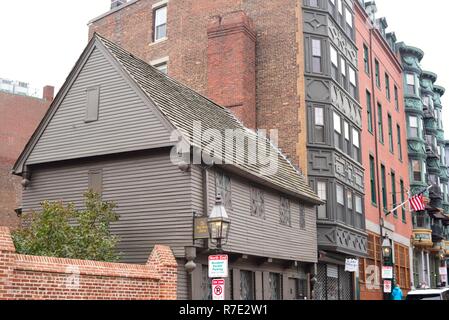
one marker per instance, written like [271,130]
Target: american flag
[417,203]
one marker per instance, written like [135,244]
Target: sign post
[218,289]
[218,266]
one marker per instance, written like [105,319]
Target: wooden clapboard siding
[152,194]
[126,122]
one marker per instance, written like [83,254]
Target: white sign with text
[218,266]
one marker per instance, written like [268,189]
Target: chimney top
[49,93]
[117,3]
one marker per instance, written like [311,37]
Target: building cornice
[129,3]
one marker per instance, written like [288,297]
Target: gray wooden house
[109,129]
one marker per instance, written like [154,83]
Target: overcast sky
[42,39]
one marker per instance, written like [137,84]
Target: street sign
[218,266]
[387,272]
[352,265]
[218,289]
[387,286]
[200,228]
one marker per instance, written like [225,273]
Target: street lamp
[387,251]
[218,224]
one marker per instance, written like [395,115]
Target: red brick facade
[278,68]
[395,164]
[20,116]
[45,278]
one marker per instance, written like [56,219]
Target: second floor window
[322,194]
[223,188]
[372,168]
[393,192]
[413,127]
[366,58]
[411,87]
[257,203]
[384,187]
[416,170]
[369,111]
[316,56]
[319,124]
[285,213]
[404,216]
[381,123]
[160,23]
[387,86]
[377,66]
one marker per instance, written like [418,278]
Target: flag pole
[405,202]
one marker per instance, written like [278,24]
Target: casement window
[380,123]
[393,193]
[316,56]
[340,10]
[358,223]
[340,195]
[399,137]
[377,66]
[347,145]
[350,206]
[343,72]
[92,104]
[331,7]
[319,124]
[366,59]
[96,181]
[275,286]
[411,85]
[417,170]
[352,83]
[369,111]
[285,212]
[160,23]
[387,86]
[206,288]
[247,285]
[384,187]
[356,145]
[334,61]
[372,168]
[257,203]
[390,133]
[337,131]
[162,67]
[404,215]
[413,127]
[302,217]
[349,23]
[322,194]
[396,97]
[223,189]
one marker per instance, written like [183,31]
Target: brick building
[20,115]
[385,155]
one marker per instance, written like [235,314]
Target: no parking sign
[218,288]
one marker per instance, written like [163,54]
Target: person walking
[396,294]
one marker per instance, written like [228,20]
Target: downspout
[376,124]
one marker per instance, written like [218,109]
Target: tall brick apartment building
[385,155]
[270,63]
[20,115]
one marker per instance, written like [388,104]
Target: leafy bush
[66,232]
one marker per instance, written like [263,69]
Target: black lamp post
[387,257]
[218,224]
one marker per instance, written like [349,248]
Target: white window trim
[159,61]
[159,4]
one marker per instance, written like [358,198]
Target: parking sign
[218,289]
[218,266]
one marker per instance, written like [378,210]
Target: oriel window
[316,56]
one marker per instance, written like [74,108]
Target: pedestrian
[396,294]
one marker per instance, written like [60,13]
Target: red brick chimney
[49,93]
[231,66]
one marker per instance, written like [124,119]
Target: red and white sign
[218,289]
[387,286]
[218,266]
[387,272]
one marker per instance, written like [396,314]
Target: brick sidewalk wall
[25,277]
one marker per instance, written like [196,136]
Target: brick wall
[41,278]
[20,116]
[279,66]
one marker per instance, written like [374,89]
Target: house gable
[127,119]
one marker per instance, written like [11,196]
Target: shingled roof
[182,106]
